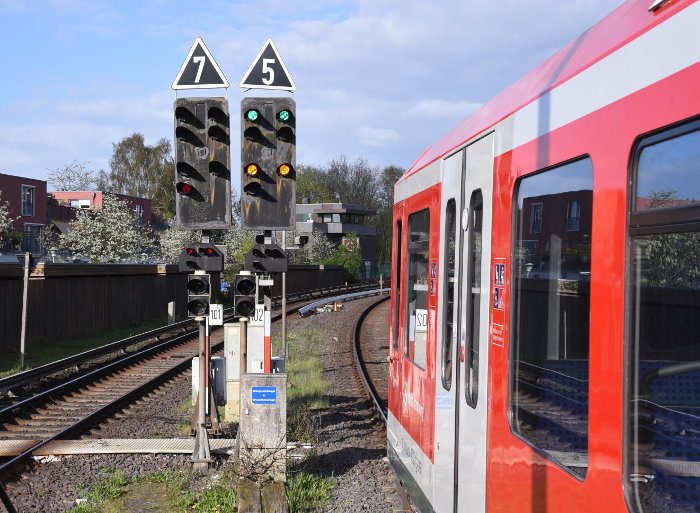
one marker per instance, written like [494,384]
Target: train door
[396,333]
[473,325]
[460,417]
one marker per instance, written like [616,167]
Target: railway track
[370,347]
[67,408]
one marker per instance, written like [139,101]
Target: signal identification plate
[216,315]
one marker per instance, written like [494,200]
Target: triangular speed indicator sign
[200,70]
[268,71]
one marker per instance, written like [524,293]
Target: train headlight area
[545,286]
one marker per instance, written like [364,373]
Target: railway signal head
[268,161]
[202,169]
[244,286]
[201,257]
[266,258]
[198,295]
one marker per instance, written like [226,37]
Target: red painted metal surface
[413,382]
[535,483]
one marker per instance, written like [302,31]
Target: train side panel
[589,478]
[411,430]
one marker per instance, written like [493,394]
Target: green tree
[350,258]
[138,169]
[385,213]
[108,235]
[311,184]
[238,242]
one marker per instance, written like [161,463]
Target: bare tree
[73,177]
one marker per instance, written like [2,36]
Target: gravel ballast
[351,444]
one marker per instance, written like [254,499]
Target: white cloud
[442,109]
[370,136]
[382,79]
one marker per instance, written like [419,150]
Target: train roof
[623,25]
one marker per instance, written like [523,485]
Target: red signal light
[210,251]
[191,251]
[184,188]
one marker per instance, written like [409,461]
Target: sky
[377,79]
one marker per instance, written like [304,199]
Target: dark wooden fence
[67,301]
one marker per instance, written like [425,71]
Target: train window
[397,285]
[449,293]
[551,305]
[417,289]
[471,377]
[663,413]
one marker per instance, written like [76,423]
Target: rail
[19,378]
[362,370]
[306,309]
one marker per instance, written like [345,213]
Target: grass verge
[40,356]
[159,491]
[308,493]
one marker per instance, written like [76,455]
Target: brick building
[93,200]
[26,198]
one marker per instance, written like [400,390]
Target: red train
[545,318]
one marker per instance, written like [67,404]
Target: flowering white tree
[5,219]
[8,234]
[317,250]
[173,241]
[109,235]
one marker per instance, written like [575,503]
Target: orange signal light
[284,169]
[252,169]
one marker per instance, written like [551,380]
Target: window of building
[138,210]
[417,288]
[573,216]
[32,238]
[449,311]
[28,200]
[83,203]
[663,354]
[397,284]
[550,322]
[336,218]
[327,218]
[536,218]
[471,377]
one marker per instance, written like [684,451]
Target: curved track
[67,408]
[362,366]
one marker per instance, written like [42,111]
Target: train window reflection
[471,377]
[449,310]
[663,446]
[551,305]
[669,172]
[417,288]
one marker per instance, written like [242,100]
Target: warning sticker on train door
[498,301]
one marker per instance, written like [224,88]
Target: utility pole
[25,300]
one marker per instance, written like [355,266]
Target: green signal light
[284,115]
[252,115]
